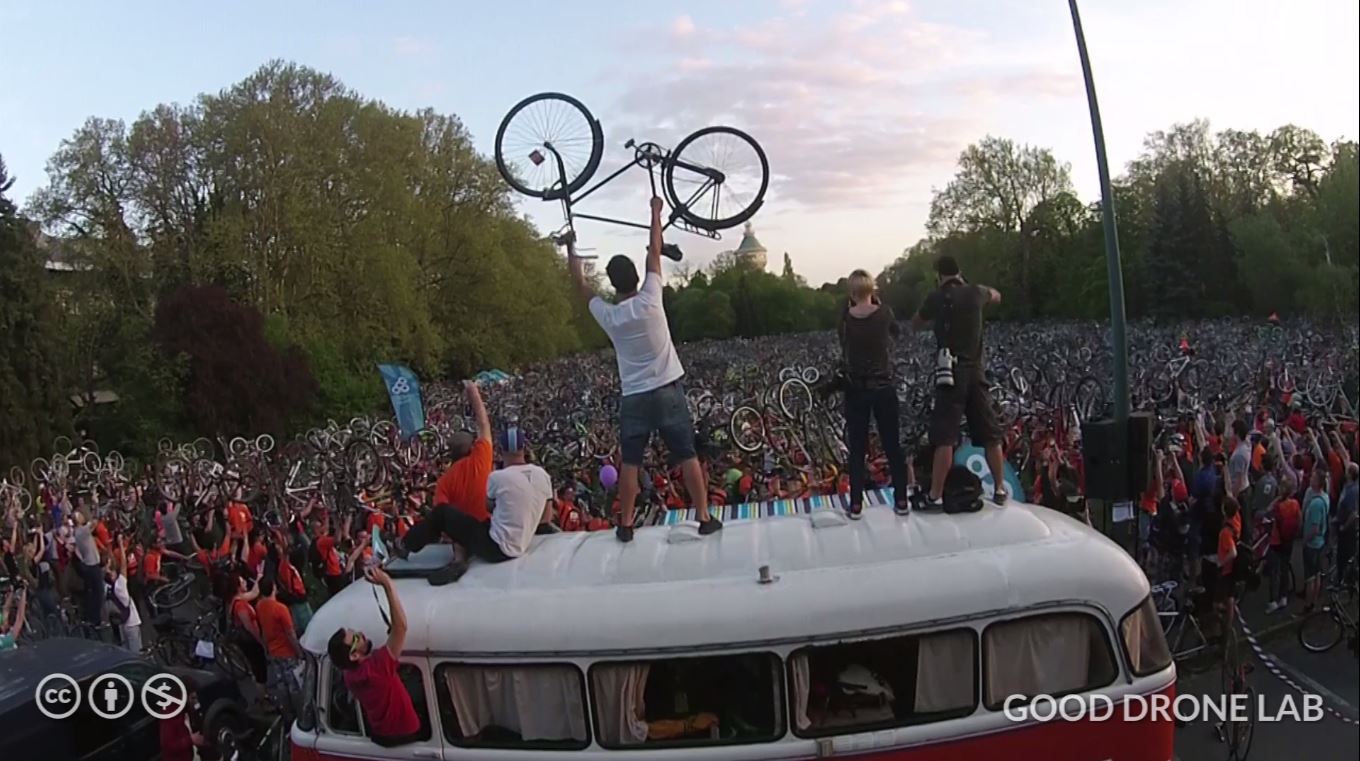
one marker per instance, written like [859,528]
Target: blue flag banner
[975,459]
[404,389]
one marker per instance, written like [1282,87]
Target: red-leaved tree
[238,383]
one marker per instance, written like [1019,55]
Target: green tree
[33,405]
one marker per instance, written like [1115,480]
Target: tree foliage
[33,407]
[1209,223]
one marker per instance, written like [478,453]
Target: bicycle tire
[795,398]
[714,223]
[584,173]
[744,420]
[231,658]
[1321,631]
[173,594]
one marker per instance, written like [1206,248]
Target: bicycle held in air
[549,146]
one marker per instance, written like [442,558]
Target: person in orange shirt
[281,646]
[292,589]
[463,485]
[239,519]
[332,573]
[102,536]
[1227,559]
[569,516]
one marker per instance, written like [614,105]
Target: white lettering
[1096,702]
[1312,708]
[1182,700]
[1042,700]
[1076,706]
[1161,707]
[1135,708]
[1015,709]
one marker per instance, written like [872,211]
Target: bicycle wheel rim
[1320,632]
[745,171]
[548,119]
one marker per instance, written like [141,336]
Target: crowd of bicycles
[768,428]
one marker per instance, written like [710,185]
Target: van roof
[584,592]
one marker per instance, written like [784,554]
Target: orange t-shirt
[151,565]
[101,535]
[376,522]
[239,518]
[326,546]
[1227,540]
[241,609]
[290,580]
[1287,513]
[255,559]
[275,624]
[1258,454]
[463,485]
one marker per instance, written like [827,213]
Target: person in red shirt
[332,574]
[463,485]
[281,646]
[239,519]
[569,516]
[1227,559]
[292,588]
[370,673]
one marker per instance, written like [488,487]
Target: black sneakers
[999,496]
[855,512]
[929,505]
[624,533]
[710,526]
[449,573]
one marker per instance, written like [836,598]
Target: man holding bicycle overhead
[650,375]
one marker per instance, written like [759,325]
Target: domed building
[750,250]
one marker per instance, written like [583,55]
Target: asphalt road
[1281,676]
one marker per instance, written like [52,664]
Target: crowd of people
[1228,480]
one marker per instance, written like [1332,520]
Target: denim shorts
[663,410]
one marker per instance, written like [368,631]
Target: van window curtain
[537,703]
[946,672]
[1041,655]
[802,689]
[619,700]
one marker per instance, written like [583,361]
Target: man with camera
[954,312]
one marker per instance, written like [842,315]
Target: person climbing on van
[370,673]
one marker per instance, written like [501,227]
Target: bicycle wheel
[173,594]
[748,430]
[540,130]
[1239,734]
[231,658]
[795,398]
[1321,631]
[716,178]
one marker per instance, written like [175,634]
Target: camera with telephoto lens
[944,368]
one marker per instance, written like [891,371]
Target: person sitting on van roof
[520,492]
[370,673]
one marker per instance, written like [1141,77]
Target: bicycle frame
[649,161]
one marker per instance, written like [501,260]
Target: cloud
[682,26]
[856,109]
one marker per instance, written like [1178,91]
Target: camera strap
[943,320]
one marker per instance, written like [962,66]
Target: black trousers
[458,526]
[92,598]
[881,404]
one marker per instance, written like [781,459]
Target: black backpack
[962,491]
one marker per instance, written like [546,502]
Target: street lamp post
[1118,339]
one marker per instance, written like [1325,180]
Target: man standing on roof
[520,492]
[954,310]
[370,673]
[650,375]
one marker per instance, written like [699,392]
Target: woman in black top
[866,332]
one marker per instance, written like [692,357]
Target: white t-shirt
[120,591]
[520,494]
[641,337]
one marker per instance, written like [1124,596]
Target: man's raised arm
[474,397]
[654,244]
[577,266]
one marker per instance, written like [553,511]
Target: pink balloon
[609,475]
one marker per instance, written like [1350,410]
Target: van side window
[344,716]
[523,706]
[883,683]
[1048,654]
[1145,640]
[711,700]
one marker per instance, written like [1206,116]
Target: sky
[862,106]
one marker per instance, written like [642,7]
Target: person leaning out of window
[866,330]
